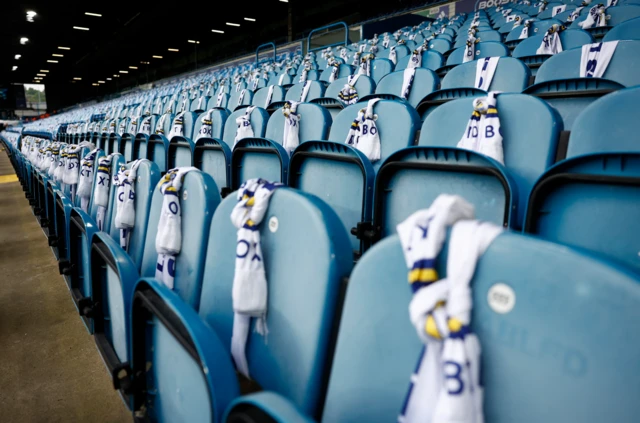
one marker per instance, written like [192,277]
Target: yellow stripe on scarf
[423,275]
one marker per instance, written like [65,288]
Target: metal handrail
[337,24]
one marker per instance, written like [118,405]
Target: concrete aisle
[50,370]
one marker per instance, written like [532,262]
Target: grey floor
[50,370]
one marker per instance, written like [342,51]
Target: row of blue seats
[332,360]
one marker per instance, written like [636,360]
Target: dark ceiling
[129,34]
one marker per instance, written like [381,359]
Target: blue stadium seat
[482,36]
[157,144]
[570,38]
[548,11]
[115,274]
[141,139]
[439,45]
[364,86]
[380,68]
[180,151]
[431,59]
[213,155]
[412,178]
[265,157]
[343,176]
[343,72]
[590,200]
[511,75]
[235,100]
[316,90]
[537,27]
[260,97]
[483,49]
[547,339]
[425,82]
[194,342]
[558,80]
[615,15]
[627,30]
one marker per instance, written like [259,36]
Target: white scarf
[70,176]
[125,206]
[595,59]
[335,67]
[58,173]
[597,15]
[543,6]
[241,97]
[267,101]
[85,183]
[393,55]
[365,65]
[305,72]
[145,126]
[101,189]
[177,129]
[510,18]
[470,49]
[169,235]
[249,291]
[525,30]
[291,137]
[558,9]
[485,69]
[348,95]
[551,43]
[445,387]
[517,22]
[206,126]
[220,98]
[281,78]
[612,3]
[55,158]
[244,125]
[343,54]
[305,91]
[482,133]
[386,41]
[410,72]
[363,134]
[160,125]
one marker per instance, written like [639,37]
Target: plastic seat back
[147,177]
[197,207]
[236,101]
[482,36]
[511,75]
[425,82]
[294,361]
[536,27]
[431,59]
[266,158]
[627,30]
[218,120]
[316,90]
[261,96]
[529,144]
[570,38]
[343,72]
[558,79]
[364,86]
[564,350]
[440,45]
[590,200]
[380,68]
[483,49]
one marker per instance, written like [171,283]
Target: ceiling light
[116,76]
[217,31]
[133,67]
[123,71]
[173,49]
[249,19]
[109,79]
[81,28]
[14,68]
[57,55]
[77,78]
[146,63]
[52,61]
[101,82]
[64,48]
[95,85]
[194,41]
[17,56]
[93,14]
[24,40]
[285,1]
[41,74]
[232,24]
[44,70]
[30,15]
[157,57]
